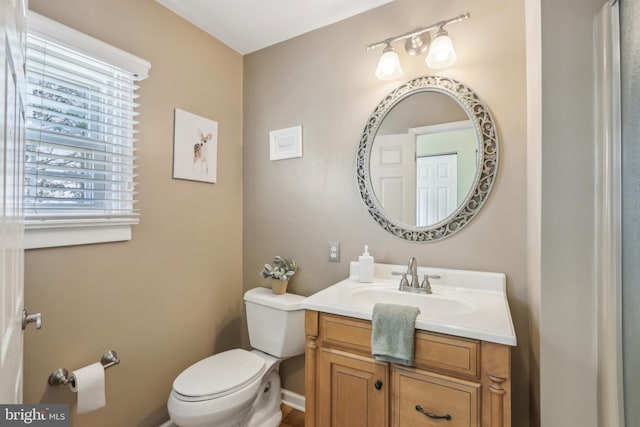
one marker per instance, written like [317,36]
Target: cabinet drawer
[416,393]
[451,355]
[345,332]
[447,354]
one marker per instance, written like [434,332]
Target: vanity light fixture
[389,65]
[440,53]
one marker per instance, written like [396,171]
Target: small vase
[278,286]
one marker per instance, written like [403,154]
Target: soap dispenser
[365,266]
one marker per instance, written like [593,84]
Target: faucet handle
[425,282]
[403,282]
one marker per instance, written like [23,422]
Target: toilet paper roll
[89,384]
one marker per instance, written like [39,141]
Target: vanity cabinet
[453,382]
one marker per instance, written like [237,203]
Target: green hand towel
[393,332]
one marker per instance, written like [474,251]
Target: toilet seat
[218,375]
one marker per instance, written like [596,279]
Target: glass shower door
[630,89]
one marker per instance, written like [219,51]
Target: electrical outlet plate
[334,251]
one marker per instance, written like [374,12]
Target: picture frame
[195,147]
[285,143]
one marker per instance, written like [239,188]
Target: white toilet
[240,387]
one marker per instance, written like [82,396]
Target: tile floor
[291,417]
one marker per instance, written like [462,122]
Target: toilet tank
[275,322]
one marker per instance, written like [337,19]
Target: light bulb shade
[441,53]
[389,65]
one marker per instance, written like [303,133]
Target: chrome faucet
[414,285]
[412,269]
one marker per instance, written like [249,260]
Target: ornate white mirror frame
[486,171]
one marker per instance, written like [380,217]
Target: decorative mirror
[427,159]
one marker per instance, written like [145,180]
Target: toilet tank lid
[264,296]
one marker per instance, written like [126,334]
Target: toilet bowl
[240,387]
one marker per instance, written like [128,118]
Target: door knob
[31,318]
[378,385]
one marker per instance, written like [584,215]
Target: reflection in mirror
[423,159]
[427,159]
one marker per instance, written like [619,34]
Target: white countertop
[464,303]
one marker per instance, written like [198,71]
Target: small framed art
[195,147]
[285,143]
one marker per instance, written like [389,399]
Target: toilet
[239,387]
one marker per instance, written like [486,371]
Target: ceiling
[250,25]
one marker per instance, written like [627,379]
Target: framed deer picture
[195,147]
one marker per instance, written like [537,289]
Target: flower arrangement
[282,269]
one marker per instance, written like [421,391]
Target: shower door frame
[608,206]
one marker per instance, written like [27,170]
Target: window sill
[58,233]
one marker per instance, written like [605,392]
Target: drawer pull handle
[378,385]
[434,416]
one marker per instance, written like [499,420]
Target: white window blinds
[79,136]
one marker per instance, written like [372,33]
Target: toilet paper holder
[61,376]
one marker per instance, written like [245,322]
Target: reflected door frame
[436,185]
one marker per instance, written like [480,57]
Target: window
[79,170]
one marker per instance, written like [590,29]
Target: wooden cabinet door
[352,390]
[424,399]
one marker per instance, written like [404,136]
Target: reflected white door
[394,175]
[437,188]
[12,24]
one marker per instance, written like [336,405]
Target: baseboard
[289,398]
[294,400]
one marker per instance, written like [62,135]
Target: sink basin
[471,304]
[429,304]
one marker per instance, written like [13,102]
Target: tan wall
[172,295]
[324,81]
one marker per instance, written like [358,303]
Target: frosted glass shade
[389,65]
[441,53]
